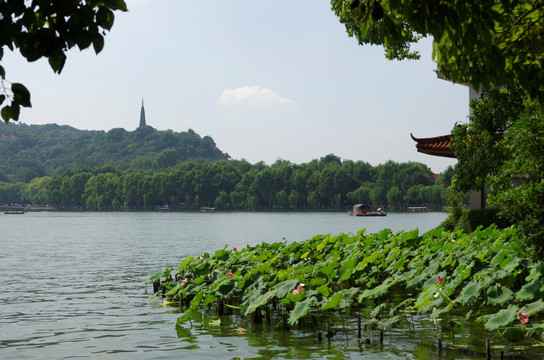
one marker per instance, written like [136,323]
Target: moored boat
[365,210]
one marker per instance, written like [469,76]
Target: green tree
[360,195]
[36,190]
[477,143]
[394,197]
[517,186]
[102,190]
[296,200]
[282,199]
[484,43]
[313,199]
[411,197]
[49,29]
[377,196]
[167,158]
[327,185]
[237,199]
[222,200]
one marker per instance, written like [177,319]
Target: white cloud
[252,96]
[189,121]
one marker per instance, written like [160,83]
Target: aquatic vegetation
[484,276]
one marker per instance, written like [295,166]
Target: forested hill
[37,150]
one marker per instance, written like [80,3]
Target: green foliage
[49,30]
[472,219]
[53,148]
[479,145]
[484,43]
[435,274]
[502,147]
[146,168]
[518,186]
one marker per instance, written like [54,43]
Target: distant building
[142,115]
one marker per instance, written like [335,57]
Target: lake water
[72,284]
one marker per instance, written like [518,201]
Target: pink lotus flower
[339,282]
[440,279]
[297,290]
[230,275]
[523,317]
[184,281]
[234,248]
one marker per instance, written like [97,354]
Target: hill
[29,151]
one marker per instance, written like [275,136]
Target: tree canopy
[37,150]
[501,147]
[45,28]
[234,184]
[485,43]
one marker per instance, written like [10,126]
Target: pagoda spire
[142,115]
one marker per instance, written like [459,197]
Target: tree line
[327,183]
[31,151]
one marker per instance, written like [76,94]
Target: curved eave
[436,146]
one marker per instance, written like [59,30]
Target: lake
[73,285]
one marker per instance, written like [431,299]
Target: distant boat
[14,212]
[207,209]
[365,210]
[165,208]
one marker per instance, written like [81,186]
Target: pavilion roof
[437,146]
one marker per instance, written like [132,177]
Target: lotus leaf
[533,308]
[470,293]
[301,309]
[513,334]
[500,319]
[529,291]
[499,295]
[159,274]
[378,291]
[333,301]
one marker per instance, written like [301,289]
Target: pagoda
[142,115]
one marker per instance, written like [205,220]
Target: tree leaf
[57,60]
[98,43]
[21,94]
[6,113]
[104,18]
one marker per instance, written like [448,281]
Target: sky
[267,80]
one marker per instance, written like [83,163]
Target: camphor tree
[497,47]
[485,43]
[47,28]
[502,147]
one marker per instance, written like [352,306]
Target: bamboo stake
[358,326]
